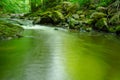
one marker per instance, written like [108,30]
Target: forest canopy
[23,6]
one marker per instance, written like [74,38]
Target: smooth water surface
[48,54]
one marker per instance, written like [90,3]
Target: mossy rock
[102,24]
[101,9]
[50,17]
[88,13]
[57,16]
[36,20]
[58,7]
[75,16]
[73,8]
[73,23]
[9,31]
[115,19]
[66,4]
[68,7]
[88,21]
[98,15]
[79,12]
[82,16]
[85,29]
[46,18]
[112,29]
[118,30]
[92,6]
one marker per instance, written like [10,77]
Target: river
[48,54]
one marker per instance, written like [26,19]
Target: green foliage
[15,6]
[88,2]
[81,2]
[19,6]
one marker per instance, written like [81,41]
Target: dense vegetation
[83,15]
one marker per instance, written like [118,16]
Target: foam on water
[35,27]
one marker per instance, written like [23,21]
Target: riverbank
[9,31]
[88,18]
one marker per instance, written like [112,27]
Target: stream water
[48,54]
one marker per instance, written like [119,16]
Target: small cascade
[35,27]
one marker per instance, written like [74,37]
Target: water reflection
[47,54]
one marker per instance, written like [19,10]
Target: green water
[48,54]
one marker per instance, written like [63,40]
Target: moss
[57,16]
[101,9]
[115,19]
[8,30]
[102,24]
[98,15]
